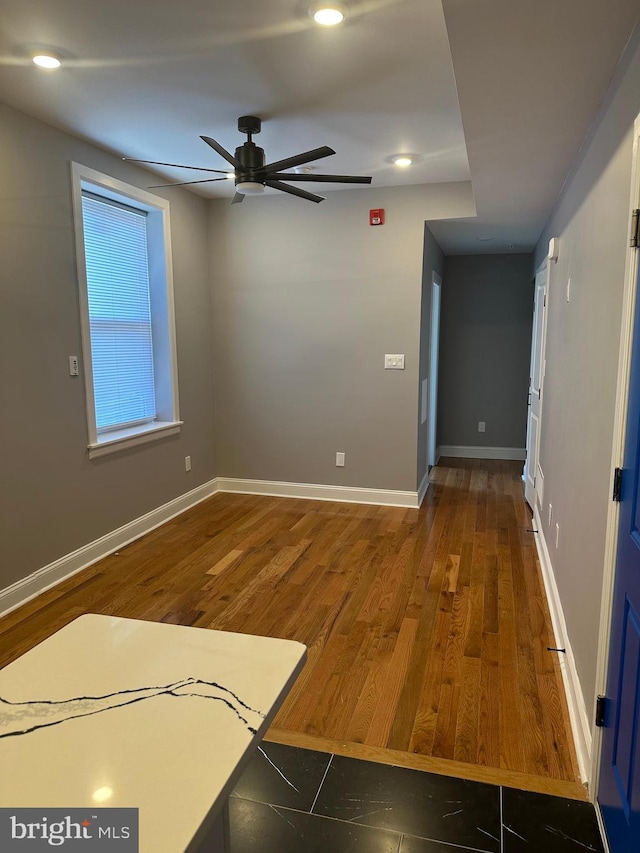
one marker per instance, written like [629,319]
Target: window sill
[123,439]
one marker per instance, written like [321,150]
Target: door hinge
[634,240]
[601,707]
[544,301]
[617,485]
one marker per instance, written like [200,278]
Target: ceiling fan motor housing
[251,158]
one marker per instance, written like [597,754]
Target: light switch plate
[394,361]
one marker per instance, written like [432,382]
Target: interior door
[436,281]
[619,786]
[535,388]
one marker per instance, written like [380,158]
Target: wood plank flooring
[427,630]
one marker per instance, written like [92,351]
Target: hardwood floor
[427,630]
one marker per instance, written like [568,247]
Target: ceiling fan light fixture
[402,160]
[46,60]
[250,187]
[252,173]
[328,14]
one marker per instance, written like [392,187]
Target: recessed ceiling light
[402,160]
[327,14]
[46,60]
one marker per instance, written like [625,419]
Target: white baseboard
[580,723]
[481,452]
[48,576]
[310,491]
[422,488]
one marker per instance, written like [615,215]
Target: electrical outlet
[481,426]
[550,514]
[187,463]
[73,365]
[568,290]
[557,534]
[340,460]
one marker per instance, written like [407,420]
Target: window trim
[157,208]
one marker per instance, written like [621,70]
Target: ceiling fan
[251,173]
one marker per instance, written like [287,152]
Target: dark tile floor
[296,801]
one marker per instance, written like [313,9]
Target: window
[126,304]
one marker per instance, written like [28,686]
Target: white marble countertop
[121,712]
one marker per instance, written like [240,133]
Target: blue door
[619,789]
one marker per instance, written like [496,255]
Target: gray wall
[583,338]
[52,498]
[485,350]
[307,300]
[433,261]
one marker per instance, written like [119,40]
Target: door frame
[545,265]
[617,460]
[432,417]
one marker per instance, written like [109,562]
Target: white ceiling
[531,76]
[144,78]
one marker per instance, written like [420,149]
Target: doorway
[436,283]
[616,740]
[532,476]
[619,782]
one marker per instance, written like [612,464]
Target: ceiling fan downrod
[251,158]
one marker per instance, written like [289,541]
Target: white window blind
[115,241]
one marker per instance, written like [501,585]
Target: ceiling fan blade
[187,183]
[221,151]
[278,185]
[299,159]
[176,165]
[334,179]
[238,197]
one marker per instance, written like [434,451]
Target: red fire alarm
[376,217]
